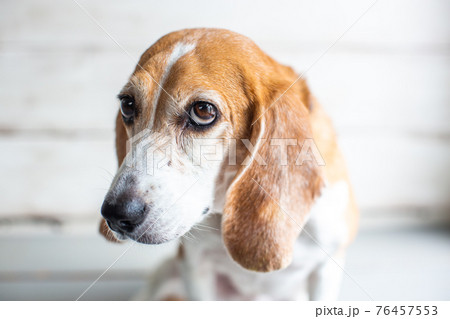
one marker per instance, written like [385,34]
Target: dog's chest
[324,232]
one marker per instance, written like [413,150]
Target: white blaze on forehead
[178,51]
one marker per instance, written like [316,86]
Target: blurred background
[382,71]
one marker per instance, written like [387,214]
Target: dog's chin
[151,238]
[146,236]
[119,236]
[142,239]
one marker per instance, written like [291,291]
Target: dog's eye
[202,113]
[127,107]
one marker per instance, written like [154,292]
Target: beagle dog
[253,186]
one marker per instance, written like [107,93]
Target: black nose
[125,214]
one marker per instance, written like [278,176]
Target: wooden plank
[71,176]
[70,291]
[374,92]
[56,81]
[62,91]
[385,85]
[402,23]
[383,260]
[54,176]
[360,91]
[73,263]
[63,254]
[391,170]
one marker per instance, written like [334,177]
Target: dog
[272,212]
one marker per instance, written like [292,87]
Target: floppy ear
[266,204]
[121,139]
[121,150]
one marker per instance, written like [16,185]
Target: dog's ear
[269,199]
[121,139]
[121,150]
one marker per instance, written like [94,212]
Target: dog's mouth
[146,234]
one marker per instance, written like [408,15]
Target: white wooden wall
[385,83]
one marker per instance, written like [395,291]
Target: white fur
[178,194]
[207,271]
[253,152]
[179,50]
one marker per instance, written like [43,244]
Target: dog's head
[206,124]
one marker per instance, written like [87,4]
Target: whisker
[206,226]
[106,171]
[195,228]
[190,236]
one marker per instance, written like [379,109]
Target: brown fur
[106,232]
[265,207]
[258,234]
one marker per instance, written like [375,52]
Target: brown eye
[127,108]
[202,113]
